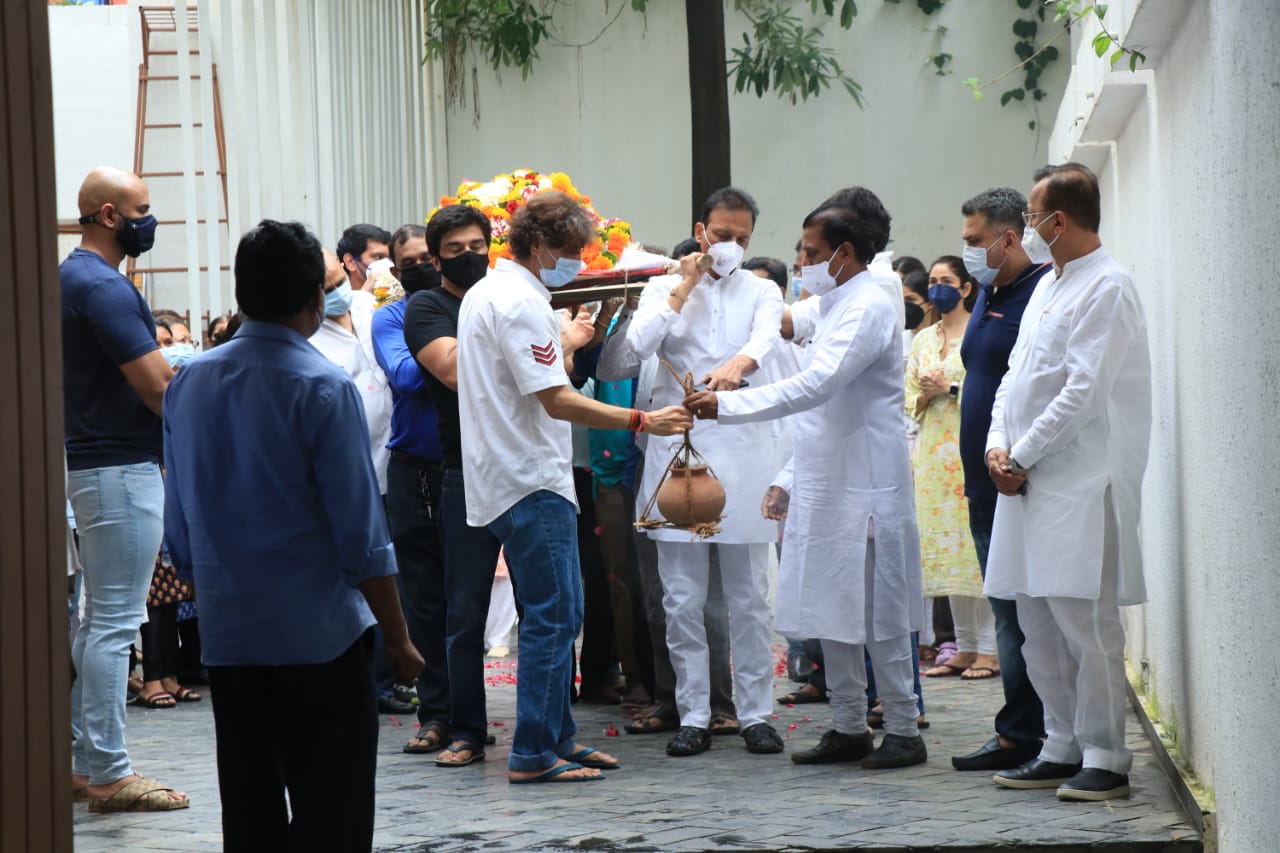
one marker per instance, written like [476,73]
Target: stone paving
[722,800]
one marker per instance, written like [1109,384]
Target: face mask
[137,235]
[725,257]
[975,261]
[178,354]
[915,315]
[564,271]
[817,278]
[944,297]
[338,301]
[422,276]
[466,269]
[1035,246]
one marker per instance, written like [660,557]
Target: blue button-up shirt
[992,331]
[413,415]
[271,503]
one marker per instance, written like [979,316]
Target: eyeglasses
[1026,217]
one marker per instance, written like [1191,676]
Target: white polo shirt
[508,349]
[354,354]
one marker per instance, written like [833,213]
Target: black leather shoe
[1036,774]
[993,756]
[392,705]
[689,740]
[896,751]
[762,739]
[836,746]
[1093,784]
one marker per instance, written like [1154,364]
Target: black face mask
[915,315]
[466,269]
[422,276]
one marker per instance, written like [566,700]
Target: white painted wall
[614,115]
[1190,193]
[95,84]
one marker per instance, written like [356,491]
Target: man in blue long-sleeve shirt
[272,505]
[995,257]
[414,478]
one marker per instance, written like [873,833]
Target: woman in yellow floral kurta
[948,559]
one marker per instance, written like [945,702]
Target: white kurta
[849,475]
[737,315]
[1074,409]
[354,354]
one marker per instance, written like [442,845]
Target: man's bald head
[109,185]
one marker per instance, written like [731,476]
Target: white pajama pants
[1074,650]
[846,670]
[684,568]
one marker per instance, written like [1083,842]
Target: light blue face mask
[338,301]
[564,271]
[178,354]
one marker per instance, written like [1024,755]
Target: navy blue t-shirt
[988,341]
[105,323]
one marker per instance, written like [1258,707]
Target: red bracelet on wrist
[644,422]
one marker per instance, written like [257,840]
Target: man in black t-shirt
[458,246]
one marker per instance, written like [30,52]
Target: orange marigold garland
[501,197]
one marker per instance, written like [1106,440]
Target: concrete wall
[615,116]
[1187,153]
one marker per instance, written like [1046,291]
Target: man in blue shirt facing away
[273,506]
[414,480]
[113,381]
[994,256]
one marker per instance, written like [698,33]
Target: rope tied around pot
[683,462]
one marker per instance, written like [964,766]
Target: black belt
[416,461]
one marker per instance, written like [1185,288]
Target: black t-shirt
[431,314]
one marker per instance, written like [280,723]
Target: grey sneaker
[1093,784]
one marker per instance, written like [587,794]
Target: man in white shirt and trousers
[720,326]
[850,568]
[1067,449]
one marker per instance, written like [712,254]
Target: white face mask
[818,279]
[726,257]
[975,261]
[1038,251]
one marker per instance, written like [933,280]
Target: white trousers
[684,568]
[846,671]
[1074,650]
[975,624]
[502,613]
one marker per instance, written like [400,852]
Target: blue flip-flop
[553,775]
[581,756]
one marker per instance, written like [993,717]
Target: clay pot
[691,496]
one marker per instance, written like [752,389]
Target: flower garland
[501,197]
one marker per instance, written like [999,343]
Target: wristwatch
[1015,468]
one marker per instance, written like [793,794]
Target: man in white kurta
[1067,449]
[345,339]
[850,568]
[720,326]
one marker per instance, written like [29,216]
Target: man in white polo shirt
[515,405]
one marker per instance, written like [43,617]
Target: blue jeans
[540,536]
[1021,720]
[120,520]
[470,558]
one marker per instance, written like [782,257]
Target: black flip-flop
[430,728]
[477,754]
[667,722]
[802,698]
[156,700]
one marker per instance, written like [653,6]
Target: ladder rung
[153,78]
[173,174]
[184,222]
[171,52]
[170,126]
[173,269]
